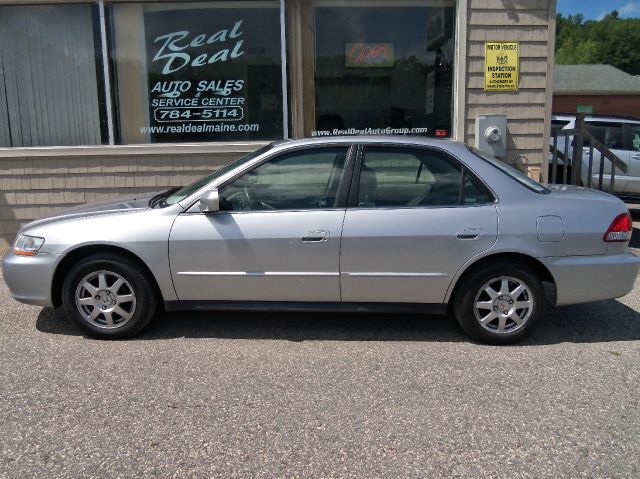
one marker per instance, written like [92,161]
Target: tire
[486,304]
[109,296]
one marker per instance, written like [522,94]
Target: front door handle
[469,233]
[315,236]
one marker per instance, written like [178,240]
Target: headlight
[27,245]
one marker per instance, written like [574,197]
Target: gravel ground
[310,395]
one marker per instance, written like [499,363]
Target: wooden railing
[571,153]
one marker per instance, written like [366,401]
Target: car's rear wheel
[109,296]
[500,303]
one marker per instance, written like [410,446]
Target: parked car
[621,135]
[349,223]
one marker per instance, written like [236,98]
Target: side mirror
[210,201]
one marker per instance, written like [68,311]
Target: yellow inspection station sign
[501,61]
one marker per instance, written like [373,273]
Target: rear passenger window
[473,193]
[400,177]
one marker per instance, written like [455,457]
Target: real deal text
[176,46]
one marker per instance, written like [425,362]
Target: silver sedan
[333,224]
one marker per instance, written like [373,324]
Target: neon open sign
[368,55]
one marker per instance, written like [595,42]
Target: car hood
[117,205]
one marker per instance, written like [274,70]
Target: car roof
[396,139]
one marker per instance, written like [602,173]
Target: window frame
[352,202]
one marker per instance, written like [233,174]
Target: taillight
[620,229]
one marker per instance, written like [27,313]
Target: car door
[611,135]
[633,149]
[276,236]
[415,216]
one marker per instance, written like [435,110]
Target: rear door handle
[315,236]
[469,233]
[636,157]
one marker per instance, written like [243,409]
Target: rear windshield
[521,178]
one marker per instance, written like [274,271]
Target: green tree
[612,40]
[574,53]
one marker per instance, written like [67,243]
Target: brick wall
[619,105]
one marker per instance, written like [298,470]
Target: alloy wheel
[503,305]
[105,299]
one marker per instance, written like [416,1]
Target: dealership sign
[176,50]
[501,60]
[210,73]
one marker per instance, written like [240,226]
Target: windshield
[182,193]
[512,172]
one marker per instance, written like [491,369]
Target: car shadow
[603,321]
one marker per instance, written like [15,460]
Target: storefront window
[384,69]
[50,91]
[197,72]
[211,71]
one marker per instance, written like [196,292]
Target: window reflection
[198,71]
[384,67]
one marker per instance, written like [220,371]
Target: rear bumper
[581,279]
[29,277]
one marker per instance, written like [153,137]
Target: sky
[596,9]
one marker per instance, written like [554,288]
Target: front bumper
[29,277]
[582,279]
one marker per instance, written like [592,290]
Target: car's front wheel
[500,303]
[109,296]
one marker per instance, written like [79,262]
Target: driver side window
[301,180]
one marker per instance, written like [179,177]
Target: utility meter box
[491,134]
